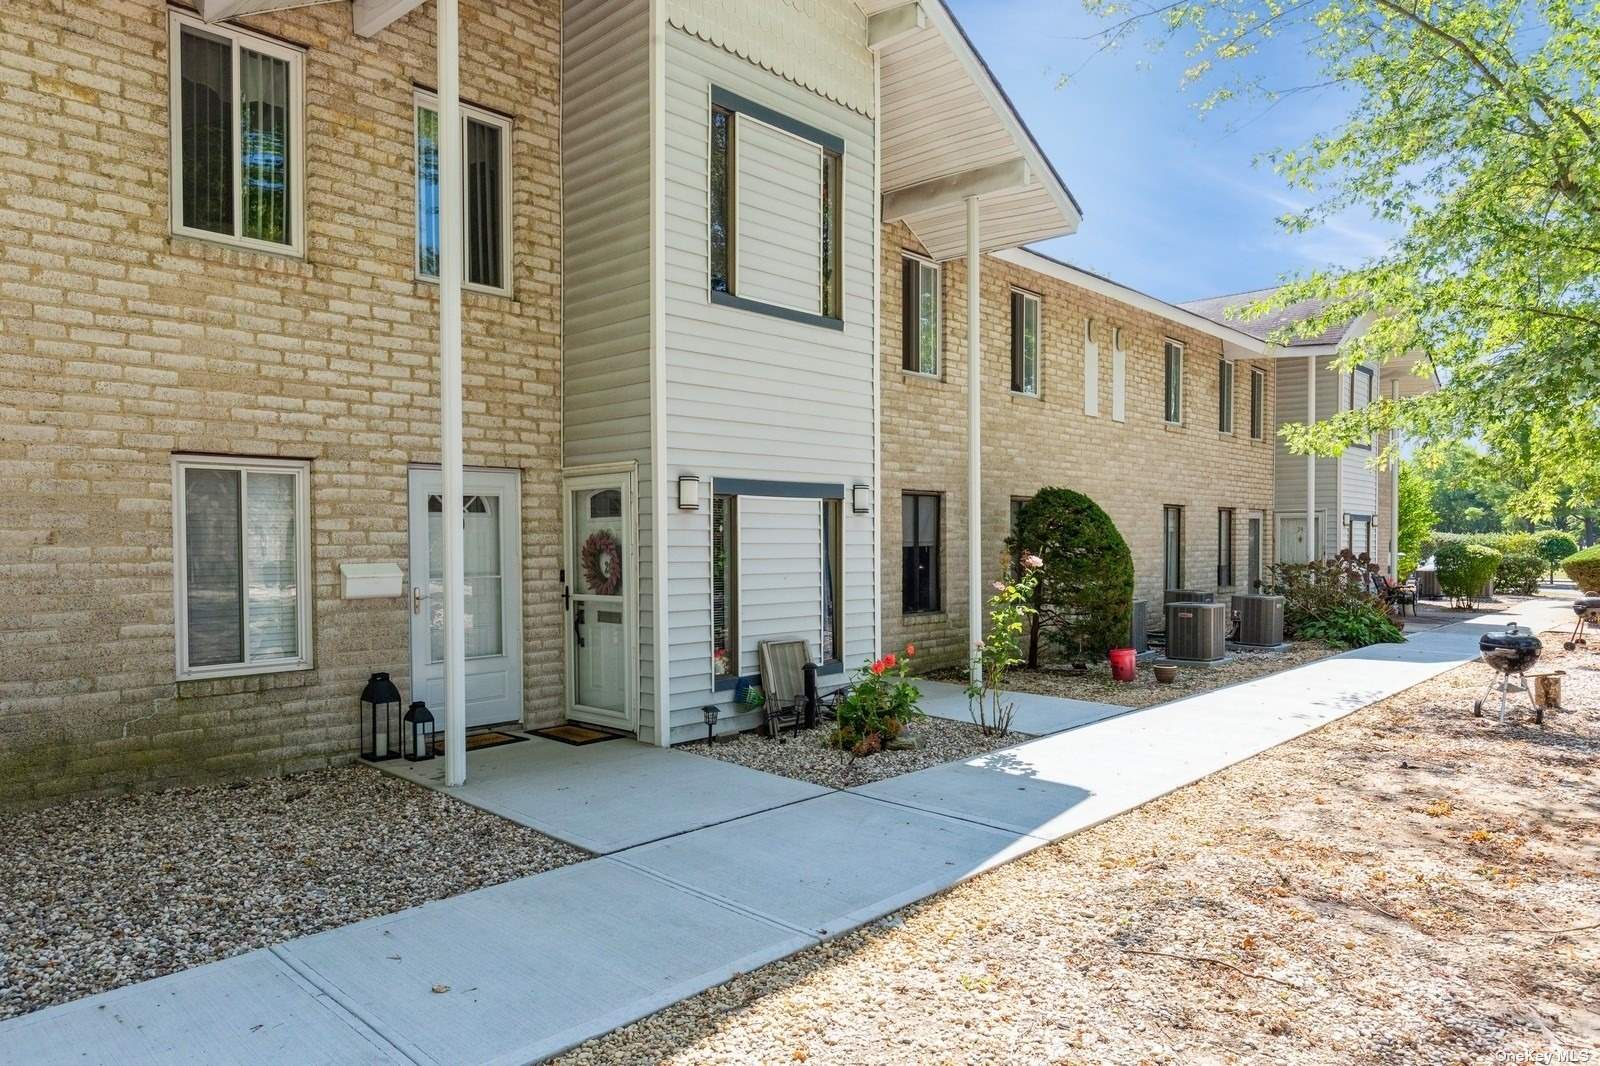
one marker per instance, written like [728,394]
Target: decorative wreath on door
[601,557]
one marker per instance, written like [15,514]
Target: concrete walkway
[1036,715]
[523,970]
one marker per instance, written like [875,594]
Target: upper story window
[236,136]
[486,192]
[919,316]
[1361,389]
[1024,343]
[1224,397]
[1258,403]
[1174,378]
[241,562]
[776,213]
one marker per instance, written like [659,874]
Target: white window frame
[1038,336]
[938,314]
[303,578]
[425,99]
[1225,396]
[1355,375]
[295,57]
[1167,347]
[1258,407]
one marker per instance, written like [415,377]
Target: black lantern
[419,732]
[711,713]
[380,719]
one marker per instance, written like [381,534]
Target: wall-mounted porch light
[861,498]
[688,492]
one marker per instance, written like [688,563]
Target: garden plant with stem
[1011,612]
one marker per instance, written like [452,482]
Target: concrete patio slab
[608,796]
[1036,715]
[245,1010]
[830,864]
[531,967]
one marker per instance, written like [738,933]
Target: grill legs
[1506,687]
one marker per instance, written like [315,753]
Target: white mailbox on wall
[370,581]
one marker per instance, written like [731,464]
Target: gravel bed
[1096,686]
[807,756]
[1410,884]
[99,893]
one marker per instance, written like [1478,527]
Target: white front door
[492,563]
[599,577]
[1292,537]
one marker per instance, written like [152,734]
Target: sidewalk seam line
[343,1002]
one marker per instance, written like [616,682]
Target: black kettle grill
[1509,651]
[1587,608]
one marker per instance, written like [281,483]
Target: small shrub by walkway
[99,893]
[1410,884]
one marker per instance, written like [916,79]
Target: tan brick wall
[1129,468]
[122,345]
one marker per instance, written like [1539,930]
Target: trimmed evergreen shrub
[1519,573]
[1464,568]
[1084,598]
[1554,546]
[1584,569]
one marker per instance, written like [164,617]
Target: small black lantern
[380,719]
[711,712]
[419,732]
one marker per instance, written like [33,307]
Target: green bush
[1464,568]
[1519,573]
[1584,569]
[1353,625]
[1554,546]
[1316,591]
[1083,602]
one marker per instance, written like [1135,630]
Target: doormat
[491,738]
[574,734]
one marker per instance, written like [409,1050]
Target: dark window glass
[214,559]
[724,587]
[919,317]
[264,147]
[1254,548]
[484,253]
[1174,379]
[920,579]
[1172,545]
[1258,404]
[1024,343]
[832,195]
[833,580]
[1225,547]
[1225,397]
[205,86]
[722,149]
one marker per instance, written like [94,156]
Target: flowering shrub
[881,703]
[1316,590]
[1011,612]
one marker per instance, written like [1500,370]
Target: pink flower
[1032,562]
[999,586]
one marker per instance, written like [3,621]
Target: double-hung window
[920,552]
[1258,403]
[1173,412]
[237,162]
[1224,397]
[1172,545]
[1361,389]
[486,195]
[1358,537]
[724,586]
[1024,343]
[1225,547]
[242,565]
[776,213]
[919,316]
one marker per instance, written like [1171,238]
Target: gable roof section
[948,130]
[1224,309]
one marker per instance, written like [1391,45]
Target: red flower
[878,668]
[890,661]
[911,649]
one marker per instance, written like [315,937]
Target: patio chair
[1394,594]
[783,684]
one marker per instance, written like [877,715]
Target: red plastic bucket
[1122,664]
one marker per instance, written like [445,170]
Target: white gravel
[806,755]
[100,893]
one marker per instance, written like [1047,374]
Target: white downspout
[877,356]
[451,270]
[661,600]
[974,448]
[1394,495]
[1313,544]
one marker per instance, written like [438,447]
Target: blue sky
[1173,203]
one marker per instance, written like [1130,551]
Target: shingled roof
[1223,309]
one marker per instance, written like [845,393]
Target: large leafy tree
[1473,129]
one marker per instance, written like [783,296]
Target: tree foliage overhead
[1473,128]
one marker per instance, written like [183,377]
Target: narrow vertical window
[833,580]
[1174,383]
[236,122]
[832,199]
[1172,545]
[1024,343]
[1224,397]
[243,561]
[722,250]
[485,165]
[1091,370]
[1225,547]
[1258,403]
[919,316]
[920,559]
[1253,573]
[1361,389]
[724,587]
[1119,377]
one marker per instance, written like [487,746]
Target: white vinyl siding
[242,560]
[777,224]
[1091,370]
[237,161]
